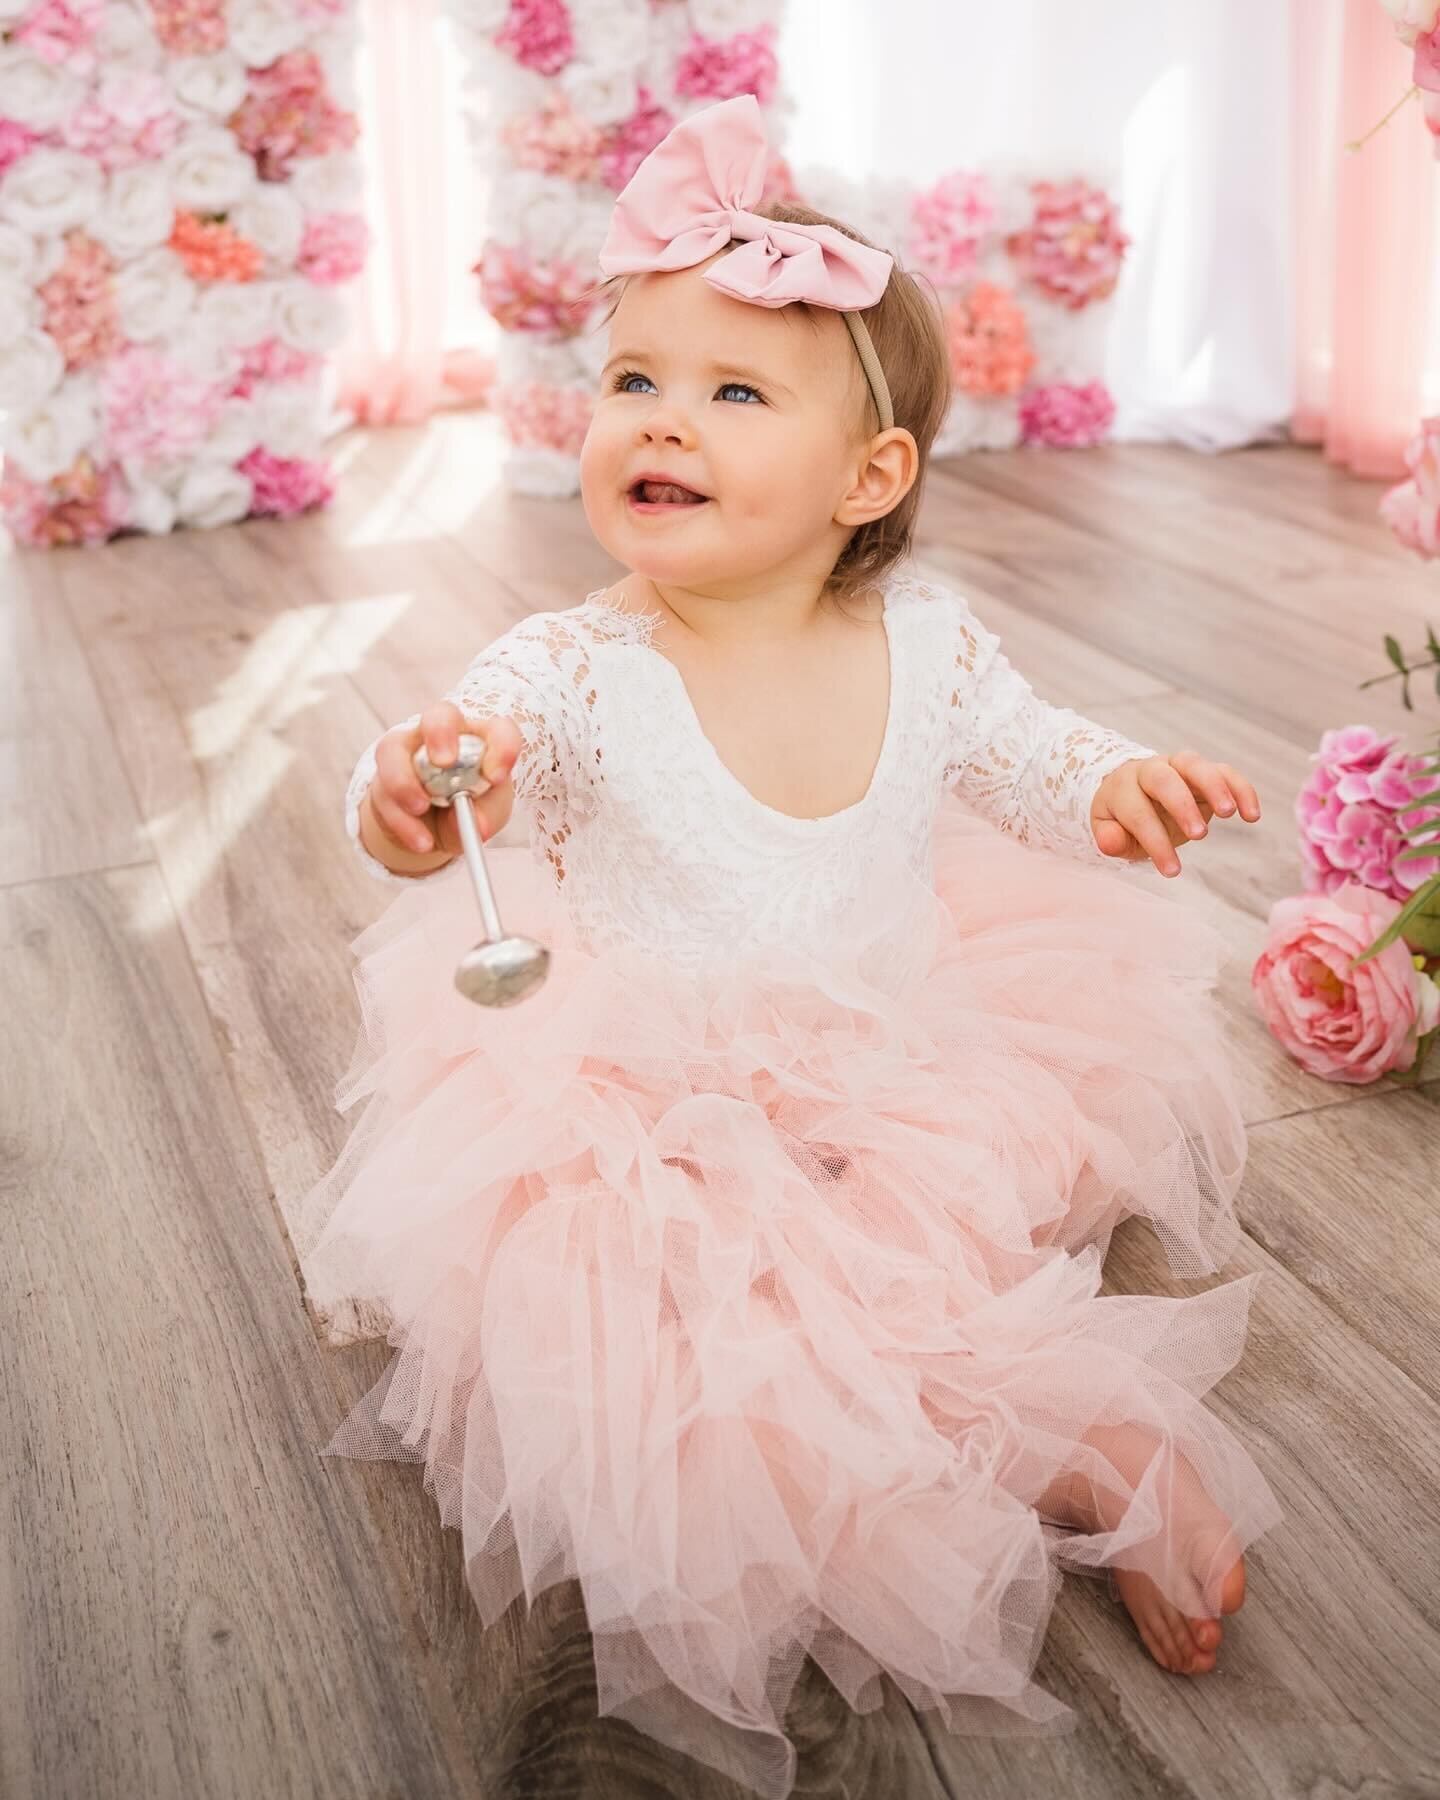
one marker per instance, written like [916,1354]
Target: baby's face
[754,407]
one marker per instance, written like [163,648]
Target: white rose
[724,18]
[17,256]
[18,310]
[195,345]
[139,210]
[273,219]
[547,474]
[262,30]
[612,34]
[213,85]
[125,40]
[603,96]
[1413,18]
[213,494]
[153,295]
[543,212]
[36,93]
[290,422]
[308,317]
[336,50]
[238,313]
[237,432]
[151,508]
[51,191]
[30,368]
[480,15]
[45,441]
[210,172]
[333,183]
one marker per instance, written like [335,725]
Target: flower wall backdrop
[177,212]
[568,97]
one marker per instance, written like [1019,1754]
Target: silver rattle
[500,970]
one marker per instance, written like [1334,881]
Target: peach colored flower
[79,303]
[989,342]
[1342,1023]
[85,505]
[214,251]
[189,27]
[555,141]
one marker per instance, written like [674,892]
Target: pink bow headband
[692,195]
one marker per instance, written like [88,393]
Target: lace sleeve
[1030,768]
[535,674]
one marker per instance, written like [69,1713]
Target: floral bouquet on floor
[1349,978]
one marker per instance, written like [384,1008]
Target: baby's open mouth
[665,493]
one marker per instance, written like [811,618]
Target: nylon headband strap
[874,374]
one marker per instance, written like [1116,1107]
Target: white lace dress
[748,1271]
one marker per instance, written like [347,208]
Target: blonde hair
[906,327]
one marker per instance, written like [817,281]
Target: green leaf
[1395,653]
[1432,641]
[1420,854]
[1430,799]
[1416,907]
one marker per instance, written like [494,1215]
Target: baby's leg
[1183,1643]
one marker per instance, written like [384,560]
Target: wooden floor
[192,1603]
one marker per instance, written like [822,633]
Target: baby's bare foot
[1179,1643]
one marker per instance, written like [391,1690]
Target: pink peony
[521,295]
[155,410]
[333,248]
[16,140]
[61,31]
[1426,75]
[1338,1022]
[719,70]
[269,362]
[285,487]
[288,112]
[1353,811]
[189,27]
[1067,417]
[1073,247]
[631,141]
[126,119]
[538,35]
[1412,510]
[948,224]
[85,505]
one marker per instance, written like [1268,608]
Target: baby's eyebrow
[711,368]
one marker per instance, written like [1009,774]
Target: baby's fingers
[396,822]
[1224,788]
[1164,782]
[1150,831]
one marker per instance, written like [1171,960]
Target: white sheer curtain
[1181,109]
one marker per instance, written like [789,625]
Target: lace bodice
[652,841]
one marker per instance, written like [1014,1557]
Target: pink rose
[1338,1022]
[333,248]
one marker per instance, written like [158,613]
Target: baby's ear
[885,476]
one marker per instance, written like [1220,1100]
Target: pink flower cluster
[288,112]
[539,416]
[15,141]
[61,31]
[523,295]
[282,487]
[1353,811]
[333,247]
[1073,247]
[538,35]
[948,224]
[270,362]
[1340,1022]
[989,341]
[555,141]
[213,250]
[1412,510]
[79,303]
[711,69]
[628,144]
[189,27]
[156,411]
[127,119]
[85,505]
[1067,417]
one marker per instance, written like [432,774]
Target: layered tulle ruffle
[766,1302]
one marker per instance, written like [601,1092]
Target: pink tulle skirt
[766,1304]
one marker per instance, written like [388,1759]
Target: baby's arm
[528,679]
[1030,768]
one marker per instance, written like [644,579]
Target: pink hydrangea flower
[948,224]
[1412,510]
[155,409]
[268,362]
[333,247]
[79,303]
[538,35]
[189,27]
[746,63]
[16,140]
[283,487]
[1073,247]
[85,505]
[1067,417]
[989,341]
[1353,812]
[523,295]
[1342,1023]
[631,141]
[556,141]
[288,112]
[61,31]
[1426,72]
[540,416]
[127,119]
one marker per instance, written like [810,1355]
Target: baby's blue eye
[621,385]
[744,389]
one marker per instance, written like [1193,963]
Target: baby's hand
[1149,805]
[402,808]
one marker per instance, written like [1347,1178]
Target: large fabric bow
[693,194]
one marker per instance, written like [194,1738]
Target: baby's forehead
[679,316]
